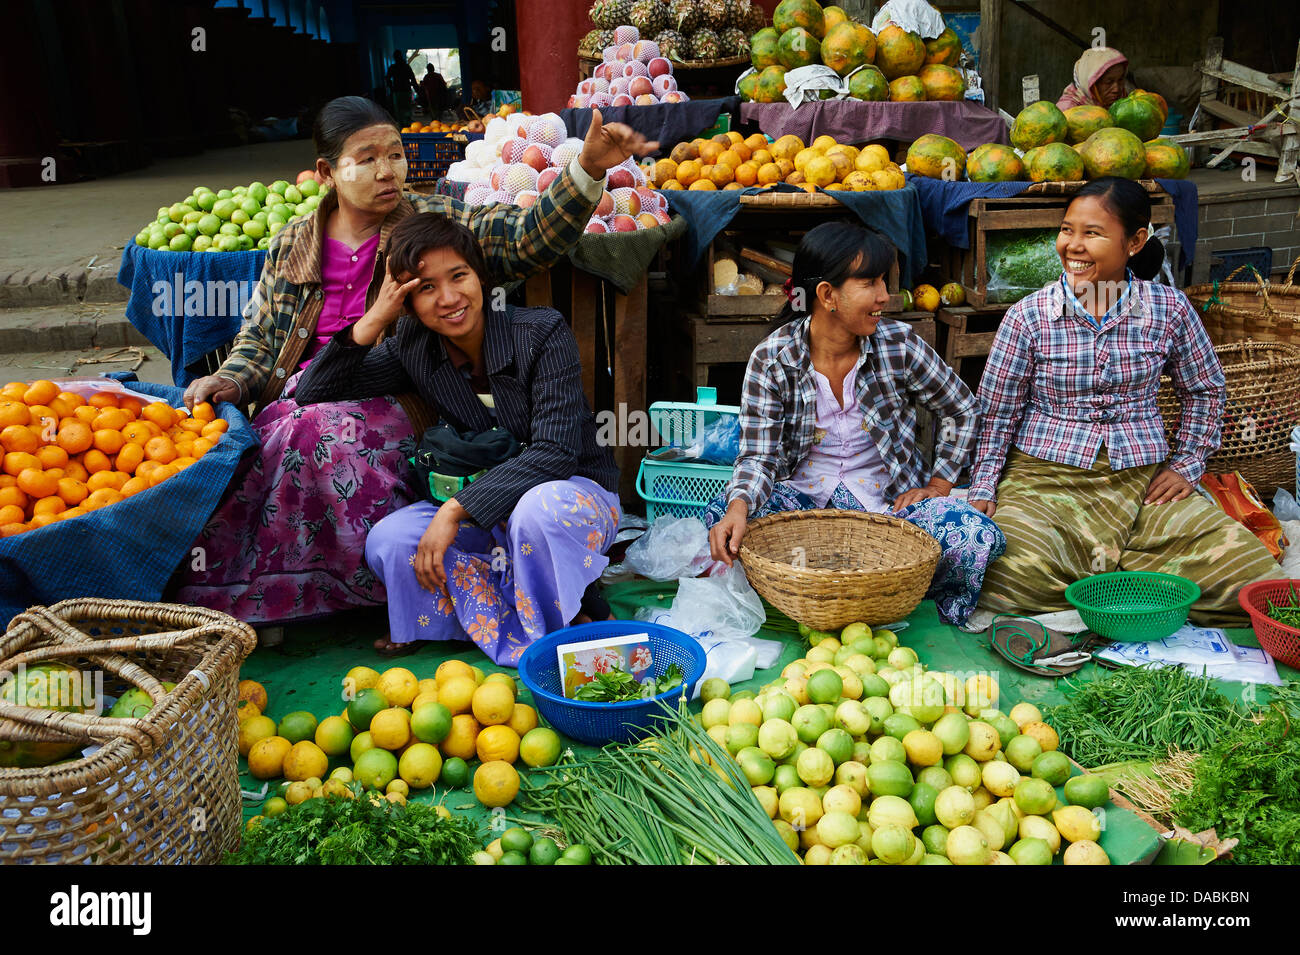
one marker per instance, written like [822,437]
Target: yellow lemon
[420,766]
[494,849]
[868,161]
[428,685]
[823,143]
[820,171]
[496,784]
[450,668]
[1046,736]
[540,747]
[266,757]
[479,675]
[926,298]
[398,786]
[493,703]
[296,793]
[358,679]
[522,719]
[805,156]
[398,685]
[497,743]
[334,735]
[247,710]
[460,741]
[391,728]
[457,694]
[505,679]
[397,799]
[305,760]
[1077,824]
[422,699]
[253,730]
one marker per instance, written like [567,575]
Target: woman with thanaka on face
[1072,460]
[287,542]
[508,558]
[1100,78]
[828,417]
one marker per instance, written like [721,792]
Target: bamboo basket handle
[59,727]
[1290,276]
[1263,286]
[470,114]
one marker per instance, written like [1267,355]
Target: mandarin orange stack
[65,456]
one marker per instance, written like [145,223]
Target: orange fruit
[85,413]
[56,473]
[72,491]
[161,450]
[62,406]
[14,391]
[769,173]
[160,413]
[181,464]
[75,436]
[8,480]
[747,173]
[146,468]
[703,185]
[69,513]
[9,530]
[134,486]
[49,505]
[204,411]
[103,479]
[16,462]
[756,142]
[689,171]
[96,461]
[129,458]
[162,473]
[102,399]
[101,498]
[710,152]
[216,427]
[36,483]
[14,412]
[154,430]
[109,441]
[137,432]
[41,392]
[52,456]
[132,405]
[731,158]
[202,446]
[17,437]
[76,470]
[192,426]
[12,514]
[71,399]
[13,495]
[110,419]
[722,174]
[40,520]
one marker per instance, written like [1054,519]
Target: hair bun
[1147,261]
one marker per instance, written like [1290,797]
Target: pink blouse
[345,275]
[842,451]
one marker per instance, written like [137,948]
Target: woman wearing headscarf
[1100,78]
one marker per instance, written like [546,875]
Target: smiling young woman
[1072,460]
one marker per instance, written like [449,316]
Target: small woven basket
[829,568]
[160,789]
[1263,406]
[1240,311]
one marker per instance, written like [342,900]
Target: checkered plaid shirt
[1058,388]
[287,301]
[778,412]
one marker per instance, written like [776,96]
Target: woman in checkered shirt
[1072,456]
[828,417]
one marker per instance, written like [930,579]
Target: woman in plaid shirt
[1072,457]
[828,417]
[289,539]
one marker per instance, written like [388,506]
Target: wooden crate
[1041,209]
[967,332]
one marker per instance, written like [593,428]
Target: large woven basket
[829,568]
[1256,310]
[161,789]
[1263,406]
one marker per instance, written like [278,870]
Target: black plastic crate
[1225,263]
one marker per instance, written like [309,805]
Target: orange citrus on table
[497,742]
[457,694]
[266,756]
[496,783]
[493,703]
[398,685]
[462,737]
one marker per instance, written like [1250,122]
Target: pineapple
[673,45]
[755,18]
[648,16]
[713,14]
[598,15]
[731,13]
[618,13]
[705,45]
[684,17]
[606,39]
[590,44]
[734,42]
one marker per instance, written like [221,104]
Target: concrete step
[65,328]
[88,280]
[63,363]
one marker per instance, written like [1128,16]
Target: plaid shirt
[280,318]
[778,412]
[1057,388]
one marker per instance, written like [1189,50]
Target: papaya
[898,52]
[800,13]
[936,157]
[1165,160]
[770,87]
[1055,162]
[869,84]
[1037,125]
[994,162]
[764,50]
[907,89]
[45,686]
[1114,152]
[1139,114]
[843,50]
[1083,121]
[798,47]
[945,49]
[941,82]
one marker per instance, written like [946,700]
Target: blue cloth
[208,315]
[897,214]
[944,206]
[665,123]
[130,549]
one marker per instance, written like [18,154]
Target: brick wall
[1241,223]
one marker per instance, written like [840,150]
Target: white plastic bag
[673,547]
[1285,507]
[805,84]
[915,16]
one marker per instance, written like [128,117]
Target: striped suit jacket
[531,359]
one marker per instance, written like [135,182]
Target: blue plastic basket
[679,488]
[600,723]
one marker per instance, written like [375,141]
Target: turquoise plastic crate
[677,488]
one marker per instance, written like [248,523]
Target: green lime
[837,742]
[825,686]
[360,743]
[455,772]
[890,778]
[431,723]
[922,800]
[900,724]
[274,806]
[375,769]
[1088,790]
[363,709]
[935,839]
[1031,851]
[577,854]
[513,858]
[544,852]
[1053,766]
[517,839]
[297,726]
[1035,796]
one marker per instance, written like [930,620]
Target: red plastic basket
[1280,641]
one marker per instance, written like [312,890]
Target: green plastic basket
[681,488]
[1132,606]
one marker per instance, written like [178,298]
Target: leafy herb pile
[340,831]
[1288,614]
[1021,261]
[1141,713]
[618,686]
[660,802]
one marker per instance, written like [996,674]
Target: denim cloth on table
[130,549]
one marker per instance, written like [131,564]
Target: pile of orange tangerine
[65,455]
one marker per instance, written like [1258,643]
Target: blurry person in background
[480,98]
[401,83]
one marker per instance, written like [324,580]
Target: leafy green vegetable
[1288,614]
[1021,261]
[340,831]
[1141,713]
[618,686]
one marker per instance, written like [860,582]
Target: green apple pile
[230,220]
[861,755]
